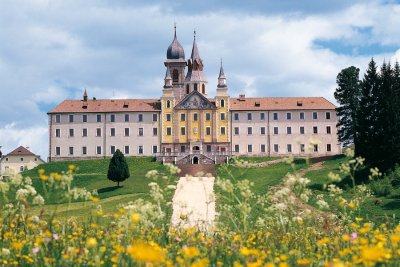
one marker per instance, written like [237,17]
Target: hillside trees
[118,170]
[369,118]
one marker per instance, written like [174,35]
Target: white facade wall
[19,163]
[137,144]
[286,141]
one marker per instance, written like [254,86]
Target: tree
[348,94]
[366,115]
[118,170]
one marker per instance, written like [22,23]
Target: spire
[85,96]
[195,50]
[221,77]
[167,79]
[174,30]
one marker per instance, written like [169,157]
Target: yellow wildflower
[143,252]
[191,252]
[135,218]
[91,242]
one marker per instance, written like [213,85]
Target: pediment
[195,100]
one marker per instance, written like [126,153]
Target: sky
[52,50]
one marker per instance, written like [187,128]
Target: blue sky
[53,50]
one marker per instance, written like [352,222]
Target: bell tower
[175,62]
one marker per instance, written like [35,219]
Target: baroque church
[186,126]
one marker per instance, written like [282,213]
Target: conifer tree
[118,170]
[396,105]
[347,95]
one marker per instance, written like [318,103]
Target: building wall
[19,163]
[140,134]
[277,143]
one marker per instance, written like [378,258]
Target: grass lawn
[92,174]
[257,159]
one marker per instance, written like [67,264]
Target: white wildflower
[4,187]
[21,194]
[334,177]
[38,200]
[5,252]
[31,189]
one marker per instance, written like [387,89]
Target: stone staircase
[193,169]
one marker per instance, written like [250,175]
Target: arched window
[187,88]
[175,76]
[222,103]
[168,104]
[195,86]
[203,88]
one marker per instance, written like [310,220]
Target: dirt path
[194,202]
[261,164]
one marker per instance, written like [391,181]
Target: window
[126,149]
[175,76]
[302,147]
[183,131]
[126,132]
[262,130]
[6,159]
[262,148]
[195,116]
[249,116]
[84,150]
[276,130]
[168,104]
[236,131]
[316,148]
[208,116]
[328,148]
[168,117]
[155,149]
[327,115]
[58,132]
[112,118]
[58,151]
[140,150]
[289,148]
[236,116]
[208,130]
[183,116]
[276,117]
[276,148]
[195,86]
[262,116]
[58,118]
[187,88]
[328,129]
[112,132]
[222,103]
[315,115]
[98,117]
[250,148]
[140,132]
[140,117]
[84,132]
[183,149]
[155,117]
[169,131]
[22,159]
[236,148]
[222,116]
[21,168]
[289,130]
[71,150]
[301,129]
[223,131]
[84,118]
[112,150]
[71,132]
[155,131]
[126,117]
[301,115]
[249,130]
[288,116]
[98,132]
[98,150]
[71,118]
[208,148]
[35,159]
[315,129]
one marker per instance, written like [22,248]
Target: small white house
[18,160]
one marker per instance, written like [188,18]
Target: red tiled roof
[107,105]
[21,151]
[280,103]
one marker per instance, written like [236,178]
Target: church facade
[186,126]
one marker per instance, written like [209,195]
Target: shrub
[394,176]
[382,187]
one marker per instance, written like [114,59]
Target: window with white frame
[58,132]
[250,148]
[127,150]
[262,130]
[140,150]
[301,116]
[276,130]
[140,132]
[71,150]
[262,116]
[98,117]
[208,130]
[236,131]
[262,148]
[84,150]
[288,115]
[168,116]
[155,117]
[289,148]
[112,131]
[84,132]
[275,116]
[140,117]
[223,130]
[112,118]
[249,130]
[301,129]
[58,118]
[98,150]
[289,130]
[112,150]
[236,148]
[249,116]
[236,116]
[276,148]
[315,115]
[126,132]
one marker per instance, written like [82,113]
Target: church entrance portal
[195,160]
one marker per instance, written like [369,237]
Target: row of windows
[195,130]
[99,118]
[275,116]
[236,130]
[21,159]
[71,132]
[99,150]
[276,148]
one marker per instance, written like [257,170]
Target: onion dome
[175,50]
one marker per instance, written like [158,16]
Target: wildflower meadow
[290,225]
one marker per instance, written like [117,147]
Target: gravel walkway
[194,202]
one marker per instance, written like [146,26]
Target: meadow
[267,217]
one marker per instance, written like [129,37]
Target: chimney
[242,97]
